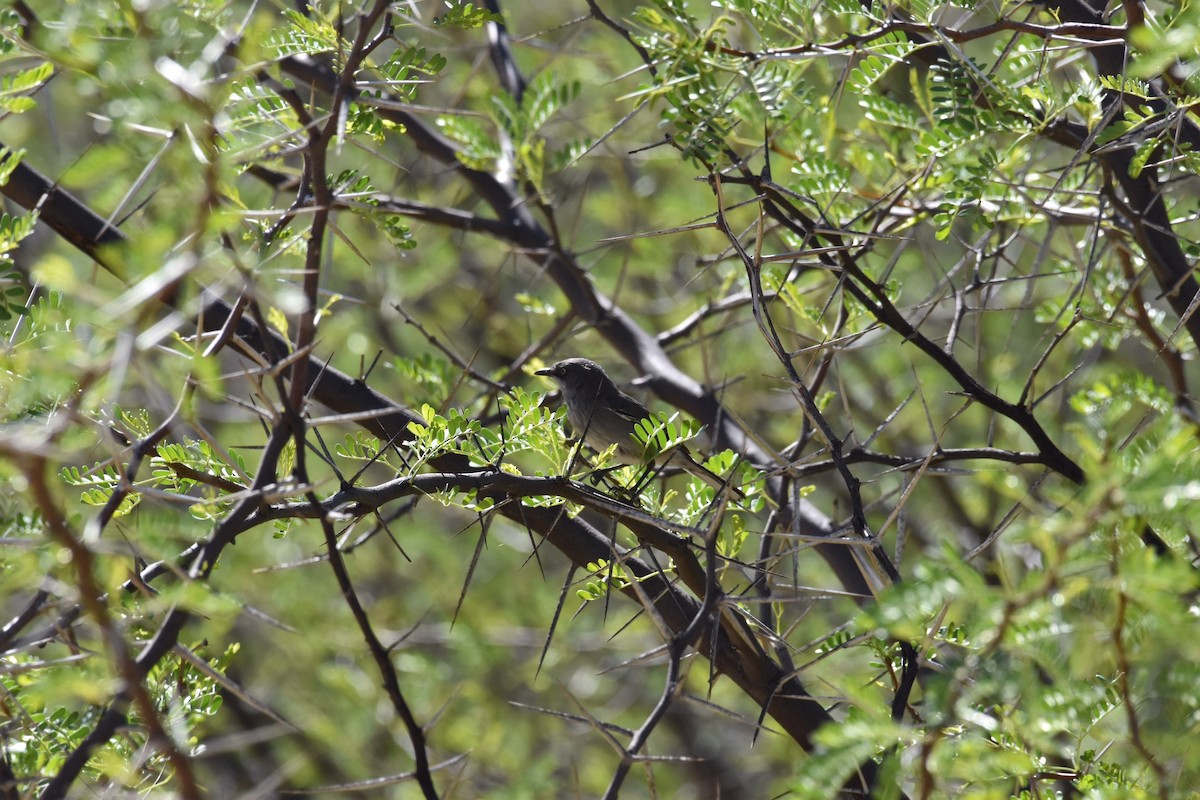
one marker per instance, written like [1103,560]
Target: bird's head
[573,371]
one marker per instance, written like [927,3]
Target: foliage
[916,279]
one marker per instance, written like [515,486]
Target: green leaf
[466,16]
[14,88]
[659,434]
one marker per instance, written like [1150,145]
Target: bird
[604,415]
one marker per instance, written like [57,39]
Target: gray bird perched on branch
[604,415]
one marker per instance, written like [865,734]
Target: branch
[522,230]
[777,691]
[780,207]
[167,636]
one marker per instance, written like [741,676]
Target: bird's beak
[549,373]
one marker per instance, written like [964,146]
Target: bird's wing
[629,408]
